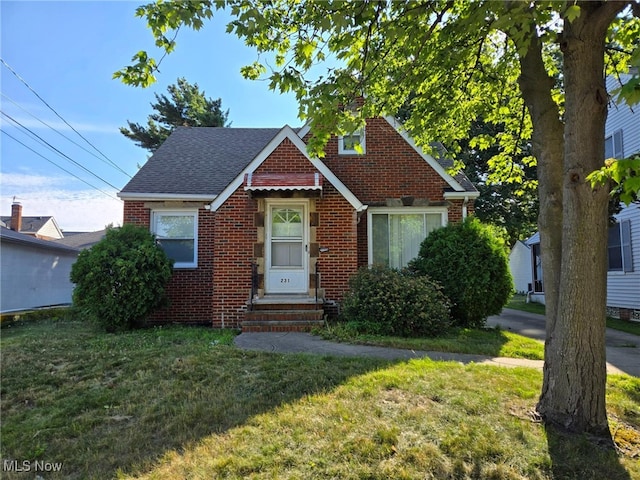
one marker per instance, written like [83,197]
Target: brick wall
[390,168]
[389,171]
[228,240]
[190,290]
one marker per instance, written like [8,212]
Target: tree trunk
[573,392]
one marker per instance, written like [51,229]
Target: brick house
[264,237]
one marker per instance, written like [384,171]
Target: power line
[42,140]
[63,135]
[54,111]
[60,167]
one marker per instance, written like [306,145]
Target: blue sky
[67,52]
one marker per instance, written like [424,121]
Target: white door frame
[287,280]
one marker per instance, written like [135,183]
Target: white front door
[287,257]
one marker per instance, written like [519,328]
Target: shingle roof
[29,224]
[81,240]
[7,235]
[209,159]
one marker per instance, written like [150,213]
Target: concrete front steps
[280,313]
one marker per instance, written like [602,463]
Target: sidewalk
[623,349]
[295,342]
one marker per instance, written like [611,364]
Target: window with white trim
[395,235]
[613,146]
[347,143]
[619,247]
[177,233]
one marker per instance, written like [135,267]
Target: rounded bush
[471,264]
[383,301]
[121,279]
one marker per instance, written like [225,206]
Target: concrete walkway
[528,324]
[623,349]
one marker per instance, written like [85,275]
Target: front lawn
[182,402]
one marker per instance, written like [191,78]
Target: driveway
[623,349]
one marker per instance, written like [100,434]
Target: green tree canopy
[535,68]
[186,106]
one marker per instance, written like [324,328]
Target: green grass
[493,342]
[181,402]
[518,302]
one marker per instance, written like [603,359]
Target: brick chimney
[16,216]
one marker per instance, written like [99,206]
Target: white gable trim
[397,125]
[287,132]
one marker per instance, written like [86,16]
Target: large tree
[186,106]
[537,68]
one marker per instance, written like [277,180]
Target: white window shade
[176,233]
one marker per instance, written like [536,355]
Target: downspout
[464,207]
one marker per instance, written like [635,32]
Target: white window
[347,143]
[613,146]
[619,247]
[395,235]
[177,233]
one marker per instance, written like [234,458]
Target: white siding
[50,230]
[623,288]
[32,276]
[621,117]
[520,266]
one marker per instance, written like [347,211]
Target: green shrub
[383,301]
[121,279]
[472,266]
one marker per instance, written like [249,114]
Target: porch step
[281,325]
[279,313]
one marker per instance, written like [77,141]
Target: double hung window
[176,233]
[619,247]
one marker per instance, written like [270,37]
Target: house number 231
[285,280]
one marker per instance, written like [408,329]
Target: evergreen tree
[186,106]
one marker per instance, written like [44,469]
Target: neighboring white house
[45,228]
[622,139]
[33,273]
[520,266]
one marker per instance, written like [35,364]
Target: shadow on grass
[580,457]
[103,403]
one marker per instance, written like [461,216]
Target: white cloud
[73,210]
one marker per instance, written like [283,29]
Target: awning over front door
[283,181]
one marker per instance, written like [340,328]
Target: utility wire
[54,111]
[42,140]
[60,167]
[63,135]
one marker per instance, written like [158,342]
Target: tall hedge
[121,279]
[471,264]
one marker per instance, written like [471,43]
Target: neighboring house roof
[7,235]
[35,225]
[533,239]
[81,240]
[199,161]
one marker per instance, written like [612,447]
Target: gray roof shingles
[7,235]
[209,158]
